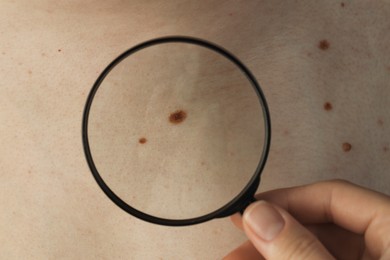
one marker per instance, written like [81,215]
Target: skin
[52,52]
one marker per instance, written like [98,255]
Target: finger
[243,252]
[352,207]
[237,220]
[341,243]
[277,235]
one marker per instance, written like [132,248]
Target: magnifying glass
[176,131]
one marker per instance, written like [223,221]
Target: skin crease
[52,52]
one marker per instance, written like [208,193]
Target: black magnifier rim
[236,204]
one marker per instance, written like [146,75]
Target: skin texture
[52,52]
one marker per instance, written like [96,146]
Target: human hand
[325,220]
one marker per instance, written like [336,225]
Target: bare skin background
[324,68]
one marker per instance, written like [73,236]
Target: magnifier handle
[244,201]
[250,201]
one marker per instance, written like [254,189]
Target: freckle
[380,122]
[3,53]
[43,54]
[342,4]
[323,45]
[347,147]
[29,72]
[385,148]
[177,117]
[230,14]
[328,106]
[142,140]
[202,163]
[309,54]
[286,132]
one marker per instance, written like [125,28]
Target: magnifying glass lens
[175,130]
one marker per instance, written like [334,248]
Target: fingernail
[264,220]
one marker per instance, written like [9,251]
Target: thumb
[277,235]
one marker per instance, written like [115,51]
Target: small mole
[286,132]
[3,52]
[323,45]
[59,50]
[347,147]
[328,106]
[379,122]
[177,117]
[342,4]
[43,54]
[29,72]
[309,54]
[385,148]
[230,14]
[142,140]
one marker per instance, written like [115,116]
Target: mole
[142,140]
[59,50]
[323,45]
[385,148]
[328,106]
[347,147]
[342,4]
[177,117]
[379,122]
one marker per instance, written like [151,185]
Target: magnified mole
[142,140]
[323,45]
[347,147]
[177,117]
[328,106]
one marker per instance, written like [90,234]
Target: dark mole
[323,45]
[177,117]
[347,147]
[328,106]
[59,50]
[342,4]
[142,140]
